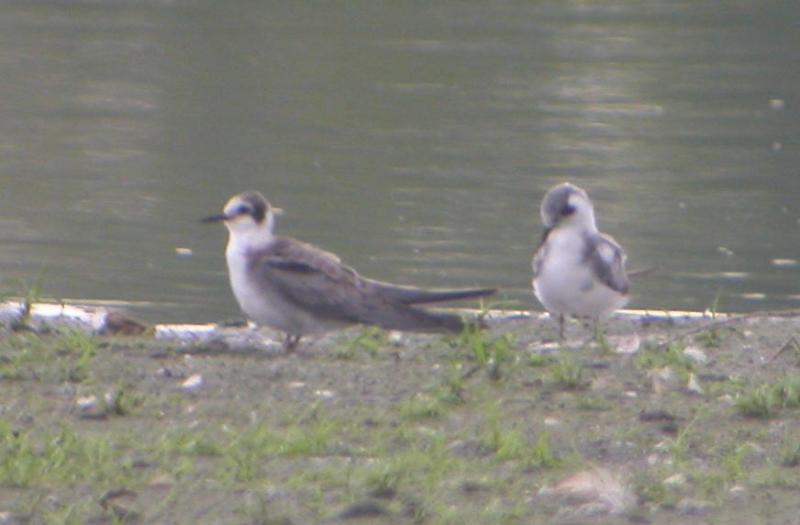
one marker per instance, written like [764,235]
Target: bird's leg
[290,343]
[561,328]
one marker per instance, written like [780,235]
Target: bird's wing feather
[607,259]
[413,295]
[317,281]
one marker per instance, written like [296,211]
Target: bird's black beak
[214,218]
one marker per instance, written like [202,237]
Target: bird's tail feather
[410,295]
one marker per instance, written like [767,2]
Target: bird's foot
[290,343]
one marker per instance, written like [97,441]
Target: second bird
[577,270]
[300,289]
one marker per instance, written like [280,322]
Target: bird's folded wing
[317,282]
[608,262]
[342,296]
[313,280]
[331,295]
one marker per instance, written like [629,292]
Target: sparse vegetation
[490,352]
[670,355]
[790,452]
[767,400]
[568,374]
[418,429]
[369,339]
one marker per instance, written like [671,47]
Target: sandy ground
[658,421]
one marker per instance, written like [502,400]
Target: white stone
[86,402]
[695,354]
[193,382]
[551,422]
[694,385]
[675,480]
[627,345]
[324,394]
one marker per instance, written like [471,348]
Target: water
[416,141]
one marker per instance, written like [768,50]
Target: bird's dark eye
[242,209]
[568,209]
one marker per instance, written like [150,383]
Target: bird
[577,270]
[302,290]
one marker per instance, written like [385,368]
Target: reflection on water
[416,141]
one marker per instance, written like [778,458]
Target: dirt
[658,421]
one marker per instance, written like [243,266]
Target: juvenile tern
[577,270]
[301,290]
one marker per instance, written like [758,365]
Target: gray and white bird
[577,270]
[301,290]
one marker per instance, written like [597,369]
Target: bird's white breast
[259,299]
[566,283]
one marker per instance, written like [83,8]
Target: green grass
[769,399]
[790,452]
[370,339]
[665,356]
[422,406]
[711,338]
[493,353]
[31,294]
[67,356]
[588,402]
[455,431]
[61,456]
[247,451]
[568,375]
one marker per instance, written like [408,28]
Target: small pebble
[693,385]
[726,398]
[694,507]
[86,402]
[656,415]
[662,379]
[324,394]
[695,354]
[551,422]
[594,492]
[737,490]
[627,345]
[663,446]
[395,338]
[363,509]
[165,372]
[676,480]
[193,382]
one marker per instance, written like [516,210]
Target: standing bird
[577,270]
[300,289]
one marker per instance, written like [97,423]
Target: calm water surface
[416,141]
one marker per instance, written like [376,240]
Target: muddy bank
[665,419]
